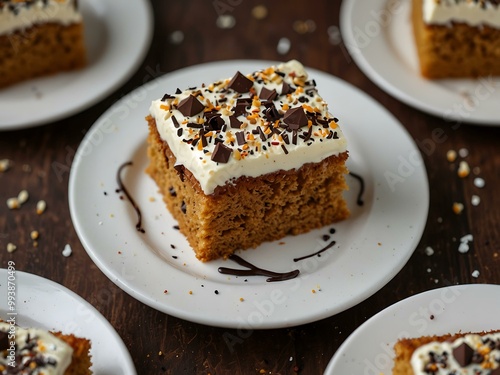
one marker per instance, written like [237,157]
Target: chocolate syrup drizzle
[256,271]
[331,244]
[361,180]
[123,189]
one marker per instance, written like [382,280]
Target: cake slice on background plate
[39,38]
[457,38]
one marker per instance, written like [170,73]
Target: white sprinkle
[439,219]
[40,207]
[463,169]
[176,37]
[67,251]
[479,182]
[23,196]
[464,243]
[475,200]
[225,21]
[11,247]
[451,156]
[290,359]
[475,274]
[284,45]
[467,238]
[334,36]
[463,152]
[429,251]
[429,270]
[13,203]
[4,165]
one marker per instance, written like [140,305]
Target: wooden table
[186,33]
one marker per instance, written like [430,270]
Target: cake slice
[38,38]
[457,354]
[248,159]
[38,351]
[457,38]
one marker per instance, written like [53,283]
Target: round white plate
[371,246]
[369,350]
[378,36]
[45,304]
[117,39]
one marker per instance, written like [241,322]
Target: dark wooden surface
[42,159]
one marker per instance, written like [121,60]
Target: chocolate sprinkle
[190,106]
[240,83]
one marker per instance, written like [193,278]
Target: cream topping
[472,12]
[277,122]
[16,16]
[33,351]
[443,358]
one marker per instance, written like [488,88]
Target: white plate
[379,38]
[372,246]
[45,304]
[117,38]
[369,350]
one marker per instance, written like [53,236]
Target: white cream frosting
[258,156]
[46,346]
[472,12]
[26,15]
[421,358]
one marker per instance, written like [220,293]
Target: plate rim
[91,99]
[152,302]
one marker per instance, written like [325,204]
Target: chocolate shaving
[286,89]
[167,96]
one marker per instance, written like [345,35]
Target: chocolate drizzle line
[316,253]
[256,271]
[122,187]
[361,180]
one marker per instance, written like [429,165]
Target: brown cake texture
[404,349]
[81,360]
[246,211]
[456,49]
[40,50]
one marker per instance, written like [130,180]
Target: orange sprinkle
[209,134]
[285,106]
[165,107]
[333,125]
[245,146]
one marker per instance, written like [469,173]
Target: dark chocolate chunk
[178,91]
[261,134]
[240,83]
[286,89]
[267,94]
[295,118]
[272,114]
[216,122]
[221,153]
[190,106]
[234,122]
[463,354]
[240,137]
